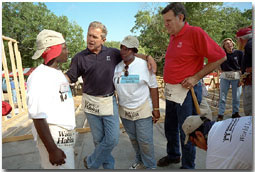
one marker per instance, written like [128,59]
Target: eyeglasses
[126,70]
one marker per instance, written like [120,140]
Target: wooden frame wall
[18,77]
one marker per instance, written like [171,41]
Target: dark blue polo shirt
[233,62]
[247,59]
[97,70]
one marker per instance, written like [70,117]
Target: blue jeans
[236,92]
[105,132]
[175,116]
[140,133]
[14,96]
[247,100]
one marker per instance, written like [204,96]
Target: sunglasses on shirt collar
[126,70]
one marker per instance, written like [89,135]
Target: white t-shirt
[133,90]
[49,96]
[230,144]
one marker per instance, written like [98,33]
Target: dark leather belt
[108,95]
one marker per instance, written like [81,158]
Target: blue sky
[118,17]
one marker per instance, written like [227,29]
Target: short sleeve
[206,46]
[152,80]
[37,102]
[74,71]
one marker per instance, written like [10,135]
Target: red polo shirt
[186,51]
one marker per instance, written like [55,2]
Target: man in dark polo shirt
[96,65]
[244,38]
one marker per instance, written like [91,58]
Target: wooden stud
[13,120]
[30,136]
[9,39]
[17,138]
[21,76]
[14,72]
[8,85]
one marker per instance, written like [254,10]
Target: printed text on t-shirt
[245,129]
[130,79]
[230,129]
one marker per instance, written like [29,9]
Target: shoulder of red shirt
[187,27]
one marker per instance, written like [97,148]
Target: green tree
[217,21]
[22,21]
[115,44]
[232,19]
[207,16]
[153,36]
[112,44]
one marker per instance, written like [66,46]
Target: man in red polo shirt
[183,70]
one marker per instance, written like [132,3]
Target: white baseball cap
[190,124]
[130,42]
[47,38]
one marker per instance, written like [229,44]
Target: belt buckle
[108,95]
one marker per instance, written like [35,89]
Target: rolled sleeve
[153,81]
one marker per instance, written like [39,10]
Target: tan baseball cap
[190,124]
[130,42]
[47,38]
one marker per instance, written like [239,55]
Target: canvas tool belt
[140,112]
[61,136]
[231,75]
[175,92]
[98,105]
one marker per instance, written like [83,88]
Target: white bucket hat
[130,42]
[45,39]
[190,124]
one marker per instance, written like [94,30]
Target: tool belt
[230,75]
[141,112]
[98,105]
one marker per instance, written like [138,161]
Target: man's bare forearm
[142,56]
[154,97]
[43,131]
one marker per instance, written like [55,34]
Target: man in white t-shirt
[50,104]
[228,143]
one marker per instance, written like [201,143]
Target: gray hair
[97,24]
